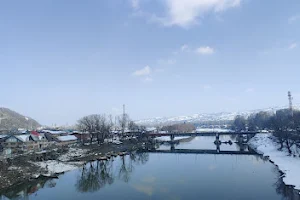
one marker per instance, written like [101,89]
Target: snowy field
[290,165]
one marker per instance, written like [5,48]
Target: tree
[259,121]
[180,128]
[284,127]
[239,123]
[99,126]
[132,126]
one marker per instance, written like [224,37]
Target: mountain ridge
[204,117]
[10,119]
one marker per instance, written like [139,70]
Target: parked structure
[66,140]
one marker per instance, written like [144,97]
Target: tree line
[284,123]
[101,126]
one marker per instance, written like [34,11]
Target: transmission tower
[124,110]
[290,103]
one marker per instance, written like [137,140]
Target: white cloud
[143,72]
[135,4]
[205,50]
[293,46]
[294,19]
[185,13]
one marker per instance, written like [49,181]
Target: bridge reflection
[243,149]
[199,151]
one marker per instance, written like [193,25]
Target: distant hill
[204,117]
[12,120]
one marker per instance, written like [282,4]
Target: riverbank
[23,168]
[289,165]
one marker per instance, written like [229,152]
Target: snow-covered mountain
[198,118]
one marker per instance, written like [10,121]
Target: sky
[63,59]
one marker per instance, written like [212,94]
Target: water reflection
[23,191]
[96,175]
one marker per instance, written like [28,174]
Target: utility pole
[124,110]
[123,120]
[115,123]
[290,103]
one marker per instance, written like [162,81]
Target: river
[166,176]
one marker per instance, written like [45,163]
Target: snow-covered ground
[53,166]
[290,165]
[73,152]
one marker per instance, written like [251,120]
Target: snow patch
[264,144]
[72,153]
[56,167]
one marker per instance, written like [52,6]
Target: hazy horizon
[61,60]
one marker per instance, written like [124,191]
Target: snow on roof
[3,136]
[54,132]
[150,129]
[23,138]
[67,138]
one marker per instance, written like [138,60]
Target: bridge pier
[217,141]
[172,138]
[172,147]
[218,148]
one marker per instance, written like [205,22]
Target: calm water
[166,176]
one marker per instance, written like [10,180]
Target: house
[81,136]
[33,141]
[66,140]
[55,133]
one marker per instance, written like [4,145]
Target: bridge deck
[201,134]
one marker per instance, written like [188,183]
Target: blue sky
[63,59]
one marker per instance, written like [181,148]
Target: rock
[102,158]
[35,176]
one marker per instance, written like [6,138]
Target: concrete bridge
[216,134]
[201,134]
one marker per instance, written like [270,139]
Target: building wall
[25,146]
[66,143]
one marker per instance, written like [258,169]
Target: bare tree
[99,126]
[87,124]
[132,126]
[179,128]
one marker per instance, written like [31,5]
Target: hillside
[205,117]
[10,119]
